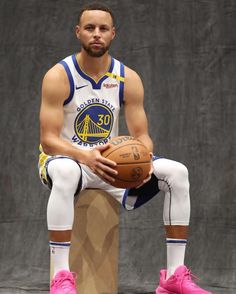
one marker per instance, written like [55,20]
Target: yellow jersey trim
[114,76]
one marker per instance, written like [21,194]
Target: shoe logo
[80,87]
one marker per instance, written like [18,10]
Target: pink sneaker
[63,283]
[179,283]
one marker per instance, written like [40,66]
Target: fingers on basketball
[132,158]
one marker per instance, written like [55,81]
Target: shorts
[129,198]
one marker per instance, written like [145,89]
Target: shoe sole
[160,290]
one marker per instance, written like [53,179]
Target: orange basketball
[133,161]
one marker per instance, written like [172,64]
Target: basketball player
[81,99]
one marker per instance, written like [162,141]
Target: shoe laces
[66,281]
[187,279]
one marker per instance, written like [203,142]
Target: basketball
[133,161]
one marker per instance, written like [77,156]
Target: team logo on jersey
[94,123]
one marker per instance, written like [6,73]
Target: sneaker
[63,283]
[179,283]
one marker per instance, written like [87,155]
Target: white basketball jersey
[91,111]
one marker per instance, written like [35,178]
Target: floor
[35,291]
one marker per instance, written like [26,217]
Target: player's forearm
[53,145]
[146,140]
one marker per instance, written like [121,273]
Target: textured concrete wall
[185,52]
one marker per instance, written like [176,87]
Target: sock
[60,255]
[175,254]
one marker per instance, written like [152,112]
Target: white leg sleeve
[65,175]
[173,180]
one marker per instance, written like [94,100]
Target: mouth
[96,44]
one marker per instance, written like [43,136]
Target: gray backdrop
[185,52]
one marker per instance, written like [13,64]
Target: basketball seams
[131,163]
[125,180]
[132,159]
[122,165]
[124,145]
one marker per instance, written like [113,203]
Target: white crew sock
[60,256]
[175,254]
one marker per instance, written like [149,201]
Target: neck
[94,66]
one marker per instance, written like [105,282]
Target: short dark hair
[96,6]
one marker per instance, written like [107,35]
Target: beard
[96,53]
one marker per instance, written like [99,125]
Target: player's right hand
[101,166]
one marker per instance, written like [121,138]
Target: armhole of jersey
[121,91]
[71,81]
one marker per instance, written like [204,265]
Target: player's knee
[182,172]
[180,176]
[65,173]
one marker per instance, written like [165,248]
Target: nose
[96,33]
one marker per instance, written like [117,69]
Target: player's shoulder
[133,86]
[55,74]
[55,82]
[131,75]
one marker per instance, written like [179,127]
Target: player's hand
[101,166]
[148,178]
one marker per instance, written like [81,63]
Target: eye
[89,28]
[104,28]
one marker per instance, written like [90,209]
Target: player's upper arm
[136,119]
[55,90]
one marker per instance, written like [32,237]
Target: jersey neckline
[95,85]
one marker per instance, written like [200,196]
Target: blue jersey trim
[96,86]
[121,90]
[126,193]
[154,157]
[143,193]
[72,87]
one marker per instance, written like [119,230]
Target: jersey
[91,112]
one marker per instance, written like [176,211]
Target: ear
[113,32]
[77,31]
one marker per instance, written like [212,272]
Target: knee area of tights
[180,175]
[64,170]
[179,170]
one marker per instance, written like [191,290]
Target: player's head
[96,6]
[95,29]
